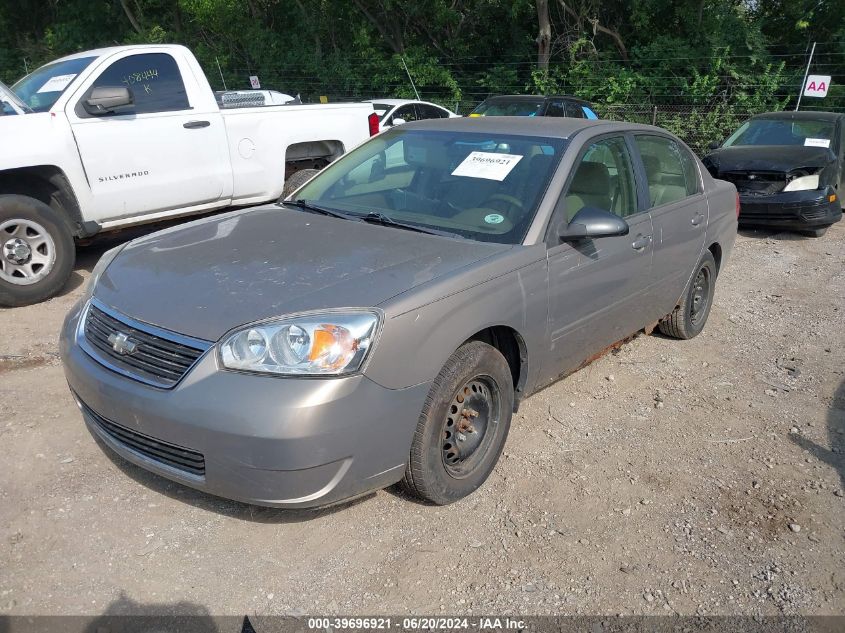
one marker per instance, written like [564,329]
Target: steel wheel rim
[27,252]
[700,295]
[471,426]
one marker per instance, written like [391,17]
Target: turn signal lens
[831,197]
[328,343]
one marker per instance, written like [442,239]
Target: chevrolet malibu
[383,323]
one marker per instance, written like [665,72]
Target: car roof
[801,115]
[391,102]
[533,98]
[551,127]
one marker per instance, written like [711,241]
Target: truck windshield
[481,186]
[40,89]
[813,132]
[9,102]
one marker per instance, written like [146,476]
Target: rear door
[679,213]
[596,286]
[167,151]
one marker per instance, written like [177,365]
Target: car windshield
[512,107]
[41,88]
[481,186]
[381,109]
[813,132]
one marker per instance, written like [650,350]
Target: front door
[679,212]
[596,285]
[164,152]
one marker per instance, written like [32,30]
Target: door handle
[641,242]
[697,219]
[194,125]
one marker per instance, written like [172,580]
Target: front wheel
[463,425]
[688,318]
[36,251]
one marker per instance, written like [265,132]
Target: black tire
[688,319]
[296,180]
[474,393]
[21,220]
[815,232]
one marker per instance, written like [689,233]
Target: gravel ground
[697,477]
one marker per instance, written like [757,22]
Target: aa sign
[817,86]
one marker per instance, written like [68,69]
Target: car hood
[204,278]
[780,158]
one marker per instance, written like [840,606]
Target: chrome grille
[147,354]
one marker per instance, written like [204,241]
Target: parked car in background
[788,168]
[531,105]
[384,322]
[397,111]
[107,138]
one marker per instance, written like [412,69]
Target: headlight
[802,183]
[312,344]
[99,269]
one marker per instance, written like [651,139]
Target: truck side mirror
[107,99]
[592,222]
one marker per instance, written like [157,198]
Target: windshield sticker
[494,218]
[57,83]
[817,142]
[487,165]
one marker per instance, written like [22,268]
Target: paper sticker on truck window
[487,165]
[817,142]
[57,83]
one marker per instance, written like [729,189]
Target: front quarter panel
[424,326]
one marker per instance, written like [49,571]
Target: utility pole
[804,81]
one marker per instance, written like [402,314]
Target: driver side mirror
[714,145]
[592,222]
[398,121]
[107,99]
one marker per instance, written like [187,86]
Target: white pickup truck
[112,137]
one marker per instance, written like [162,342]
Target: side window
[691,176]
[407,113]
[430,112]
[574,110]
[154,80]
[604,178]
[556,108]
[667,175]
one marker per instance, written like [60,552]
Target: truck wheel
[36,251]
[296,180]
[463,425]
[688,319]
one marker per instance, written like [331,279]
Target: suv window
[604,178]
[154,80]
[671,175]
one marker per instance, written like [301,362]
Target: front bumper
[280,442]
[791,210]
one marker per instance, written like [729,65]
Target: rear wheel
[463,425]
[297,179]
[36,251]
[688,319]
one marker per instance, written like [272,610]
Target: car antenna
[411,79]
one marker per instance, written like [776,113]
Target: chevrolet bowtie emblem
[121,343]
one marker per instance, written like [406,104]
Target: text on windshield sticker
[57,83]
[487,165]
[817,142]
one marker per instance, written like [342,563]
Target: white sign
[57,83]
[817,142]
[253,81]
[817,86]
[487,165]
